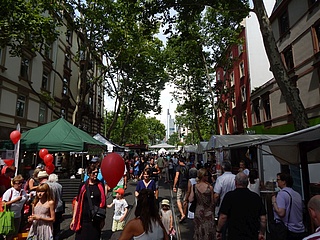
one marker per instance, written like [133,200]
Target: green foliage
[148,129]
[28,24]
[174,139]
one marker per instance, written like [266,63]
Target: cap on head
[43,174]
[165,202]
[120,191]
[95,159]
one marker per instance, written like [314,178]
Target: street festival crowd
[226,206]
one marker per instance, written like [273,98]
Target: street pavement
[184,230]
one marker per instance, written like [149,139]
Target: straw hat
[165,202]
[43,174]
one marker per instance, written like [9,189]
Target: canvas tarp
[161,145]
[58,136]
[111,147]
[286,148]
[235,141]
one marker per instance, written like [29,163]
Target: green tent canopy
[58,136]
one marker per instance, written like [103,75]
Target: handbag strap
[290,205]
[89,199]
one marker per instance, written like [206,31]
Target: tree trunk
[289,92]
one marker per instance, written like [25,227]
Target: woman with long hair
[43,214]
[147,224]
[204,224]
[145,182]
[83,223]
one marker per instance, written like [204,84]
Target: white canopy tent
[100,138]
[161,145]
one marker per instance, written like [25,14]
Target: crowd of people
[226,206]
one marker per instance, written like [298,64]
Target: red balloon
[49,168]
[48,159]
[43,152]
[112,169]
[15,136]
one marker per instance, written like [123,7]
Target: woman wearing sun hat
[15,198]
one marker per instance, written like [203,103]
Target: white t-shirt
[15,207]
[156,234]
[119,208]
[255,187]
[224,184]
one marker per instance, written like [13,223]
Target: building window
[42,113]
[25,68]
[233,100]
[240,48]
[316,33]
[284,23]
[63,113]
[67,60]
[231,79]
[218,76]
[288,58]
[245,119]
[69,36]
[256,110]
[65,86]
[220,127]
[45,80]
[266,107]
[2,57]
[21,102]
[235,124]
[47,50]
[241,69]
[243,94]
[231,55]
[227,127]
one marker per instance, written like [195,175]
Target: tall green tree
[135,73]
[237,10]
[148,129]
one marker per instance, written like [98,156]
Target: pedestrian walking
[120,210]
[180,186]
[147,223]
[166,215]
[84,223]
[244,211]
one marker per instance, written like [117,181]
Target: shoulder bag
[6,221]
[97,213]
[278,229]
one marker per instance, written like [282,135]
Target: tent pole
[82,160]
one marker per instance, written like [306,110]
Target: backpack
[183,177]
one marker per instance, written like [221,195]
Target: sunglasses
[18,183]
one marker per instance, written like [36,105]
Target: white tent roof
[233,141]
[104,141]
[189,148]
[286,148]
[201,147]
[162,145]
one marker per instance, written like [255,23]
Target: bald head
[241,180]
[314,203]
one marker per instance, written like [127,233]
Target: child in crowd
[166,216]
[120,210]
[43,214]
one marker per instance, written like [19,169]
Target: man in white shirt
[224,183]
